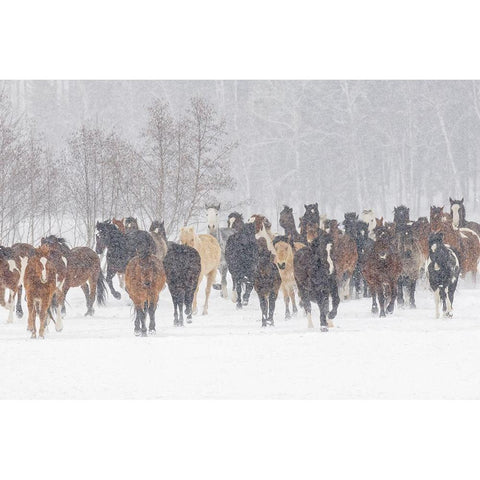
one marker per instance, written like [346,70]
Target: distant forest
[73,152]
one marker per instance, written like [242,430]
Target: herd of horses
[320,262]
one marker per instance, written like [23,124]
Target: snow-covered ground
[228,355]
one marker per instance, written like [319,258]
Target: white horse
[368,216]
[222,235]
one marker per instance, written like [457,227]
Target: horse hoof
[239,306]
[374,309]
[33,335]
[137,332]
[332,314]
[117,295]
[19,314]
[144,333]
[41,337]
[245,303]
[323,329]
[382,314]
[152,331]
[264,324]
[89,313]
[189,320]
[288,316]
[59,330]
[329,324]
[412,305]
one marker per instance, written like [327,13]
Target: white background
[247,39]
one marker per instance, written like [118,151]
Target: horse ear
[305,206]
[316,204]
[451,201]
[461,201]
[206,207]
[218,207]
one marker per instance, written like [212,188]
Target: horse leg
[175,309]
[200,278]
[110,274]
[402,281]
[323,305]
[121,280]
[223,272]
[437,302]
[292,298]
[393,296]
[143,318]
[271,307]
[335,300]
[86,292]
[374,301]
[413,284]
[18,309]
[286,299]
[139,320]
[448,313]
[208,289]
[308,311]
[60,299]
[93,294]
[248,291]
[381,301]
[151,313]
[443,298]
[43,317]
[238,293]
[264,308]
[31,316]
[10,305]
[187,298]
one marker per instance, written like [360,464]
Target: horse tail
[101,289]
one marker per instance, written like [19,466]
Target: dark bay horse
[382,269]
[287,222]
[121,248]
[316,279]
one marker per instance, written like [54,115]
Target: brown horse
[77,267]
[9,280]
[210,255]
[157,231]
[421,231]
[284,262]
[119,223]
[40,285]
[345,257]
[144,280]
[22,252]
[382,269]
[464,242]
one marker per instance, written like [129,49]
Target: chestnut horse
[144,280]
[284,262]
[382,269]
[345,257]
[210,255]
[40,285]
[82,270]
[120,224]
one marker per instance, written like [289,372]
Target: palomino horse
[83,270]
[241,254]
[235,221]
[22,252]
[263,229]
[40,285]
[284,262]
[316,279]
[222,235]
[144,280]
[10,279]
[267,282]
[443,269]
[344,256]
[182,268]
[412,261]
[210,255]
[382,269]
[287,222]
[457,211]
[464,242]
[368,217]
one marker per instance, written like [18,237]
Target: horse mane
[53,239]
[6,253]
[281,238]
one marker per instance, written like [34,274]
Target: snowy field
[228,355]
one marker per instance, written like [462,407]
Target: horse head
[283,251]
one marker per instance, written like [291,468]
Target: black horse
[316,278]
[235,221]
[359,231]
[241,254]
[443,270]
[121,247]
[182,268]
